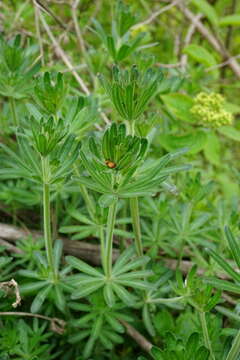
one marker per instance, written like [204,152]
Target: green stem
[47,218]
[207,341]
[235,349]
[88,201]
[56,216]
[109,238]
[136,224]
[102,245]
[131,127]
[13,110]
[123,227]
[86,197]
[134,207]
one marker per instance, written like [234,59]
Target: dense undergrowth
[119,233]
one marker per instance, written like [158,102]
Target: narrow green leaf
[40,298]
[32,287]
[223,285]
[141,261]
[114,323]
[57,251]
[224,265]
[109,295]
[59,298]
[83,267]
[124,295]
[123,259]
[148,321]
[234,246]
[87,289]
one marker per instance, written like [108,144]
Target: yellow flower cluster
[209,109]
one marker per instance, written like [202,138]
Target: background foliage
[169,71]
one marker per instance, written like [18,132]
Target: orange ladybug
[110,164]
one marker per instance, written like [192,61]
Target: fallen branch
[186,265]
[81,249]
[89,252]
[86,251]
[10,247]
[135,335]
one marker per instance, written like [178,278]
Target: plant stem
[207,341]
[102,246]
[47,217]
[235,349]
[122,241]
[109,238]
[134,208]
[88,201]
[132,127]
[136,224]
[55,217]
[13,110]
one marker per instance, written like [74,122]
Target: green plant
[103,323]
[17,69]
[177,350]
[50,92]
[119,44]
[131,90]
[110,234]
[25,341]
[226,285]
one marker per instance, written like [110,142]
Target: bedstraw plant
[128,247]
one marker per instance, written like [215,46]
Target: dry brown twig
[224,63]
[45,7]
[139,338]
[216,44]
[79,35]
[56,325]
[98,4]
[196,24]
[187,41]
[63,55]
[67,62]
[38,30]
[10,287]
[155,14]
